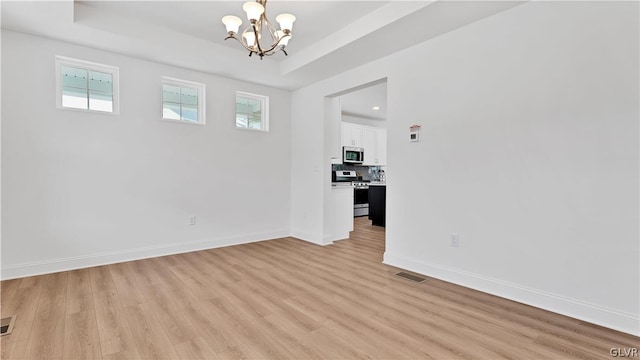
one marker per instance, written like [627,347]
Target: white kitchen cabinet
[372,139]
[381,147]
[351,134]
[375,140]
[338,213]
[369,145]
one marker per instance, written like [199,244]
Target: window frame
[200,87]
[114,71]
[264,110]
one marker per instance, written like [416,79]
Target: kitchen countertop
[374,183]
[347,185]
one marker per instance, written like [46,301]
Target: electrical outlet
[192,220]
[455,240]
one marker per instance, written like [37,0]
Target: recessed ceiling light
[376,108]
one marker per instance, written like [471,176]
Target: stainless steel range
[360,198]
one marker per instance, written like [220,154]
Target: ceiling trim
[387,29]
[367,24]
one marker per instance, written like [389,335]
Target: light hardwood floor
[280,299]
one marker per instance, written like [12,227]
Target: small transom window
[252,111]
[85,85]
[183,101]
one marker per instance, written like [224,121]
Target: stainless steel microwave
[352,155]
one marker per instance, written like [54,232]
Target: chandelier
[252,36]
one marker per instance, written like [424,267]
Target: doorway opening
[358,123]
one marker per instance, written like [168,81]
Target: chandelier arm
[276,45]
[255,32]
[241,43]
[270,28]
[275,52]
[251,51]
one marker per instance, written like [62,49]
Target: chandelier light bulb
[232,23]
[285,21]
[253,9]
[284,40]
[249,38]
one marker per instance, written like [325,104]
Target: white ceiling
[360,103]
[202,19]
[329,37]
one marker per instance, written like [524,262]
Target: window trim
[88,65]
[264,110]
[202,99]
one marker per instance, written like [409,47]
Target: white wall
[80,189]
[364,121]
[309,174]
[530,153]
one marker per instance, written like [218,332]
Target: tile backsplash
[367,173]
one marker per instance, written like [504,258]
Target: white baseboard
[578,309]
[330,238]
[317,239]
[85,261]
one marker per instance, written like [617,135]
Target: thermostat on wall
[414,133]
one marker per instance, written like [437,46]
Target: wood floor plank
[238,352]
[219,332]
[197,349]
[260,343]
[31,281]
[79,293]
[113,328]
[151,340]
[281,299]
[129,354]
[167,308]
[293,320]
[7,291]
[46,339]
[331,346]
[129,284]
[245,301]
[194,279]
[81,338]
[160,267]
[282,338]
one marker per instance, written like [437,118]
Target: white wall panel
[86,188]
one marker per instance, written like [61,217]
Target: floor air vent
[411,277]
[6,325]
